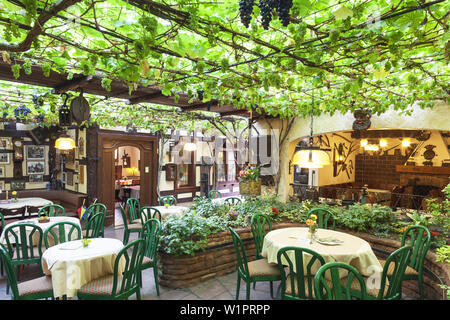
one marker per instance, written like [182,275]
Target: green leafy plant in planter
[440,213]
[443,255]
[364,218]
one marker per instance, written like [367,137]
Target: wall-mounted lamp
[406,142]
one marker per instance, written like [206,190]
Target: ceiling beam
[72,85]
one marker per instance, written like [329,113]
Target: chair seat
[289,286]
[101,286]
[135,221]
[135,226]
[409,271]
[147,260]
[36,286]
[262,267]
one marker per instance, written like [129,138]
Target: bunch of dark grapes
[246,10]
[283,11]
[266,13]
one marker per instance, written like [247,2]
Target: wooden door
[108,142]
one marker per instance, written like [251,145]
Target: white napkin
[301,240]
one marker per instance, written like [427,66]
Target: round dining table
[44,226]
[171,210]
[351,249]
[71,265]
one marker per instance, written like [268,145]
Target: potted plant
[249,181]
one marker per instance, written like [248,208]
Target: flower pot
[250,188]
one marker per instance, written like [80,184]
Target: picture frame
[35,167]
[77,166]
[2,185]
[69,177]
[170,172]
[18,149]
[35,178]
[5,157]
[76,178]
[5,143]
[81,147]
[2,171]
[81,181]
[17,185]
[35,152]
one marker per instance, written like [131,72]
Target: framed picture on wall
[35,167]
[170,172]
[5,143]
[82,174]
[36,178]
[69,178]
[17,185]
[18,149]
[2,171]
[81,147]
[2,185]
[4,158]
[35,152]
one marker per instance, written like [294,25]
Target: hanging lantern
[311,156]
[65,142]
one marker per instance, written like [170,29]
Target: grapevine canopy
[375,54]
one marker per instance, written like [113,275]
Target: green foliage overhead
[373,53]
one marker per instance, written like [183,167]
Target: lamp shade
[65,142]
[311,158]
[190,146]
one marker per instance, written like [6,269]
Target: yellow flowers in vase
[85,242]
[311,222]
[14,194]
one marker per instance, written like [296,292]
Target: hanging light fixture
[65,142]
[311,156]
[190,146]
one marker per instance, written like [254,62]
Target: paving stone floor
[220,288]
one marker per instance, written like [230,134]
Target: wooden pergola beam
[72,85]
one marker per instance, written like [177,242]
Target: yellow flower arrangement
[14,193]
[166,205]
[85,242]
[310,222]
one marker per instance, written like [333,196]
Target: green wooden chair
[148,213]
[118,286]
[2,227]
[128,227]
[420,238]
[214,194]
[61,232]
[51,210]
[297,277]
[324,218]
[171,200]
[232,200]
[24,243]
[260,225]
[92,211]
[350,287]
[95,226]
[150,232]
[133,210]
[253,271]
[39,288]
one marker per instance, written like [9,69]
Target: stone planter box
[219,258]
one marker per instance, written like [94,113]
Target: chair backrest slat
[150,232]
[133,209]
[242,264]
[61,232]
[324,218]
[148,213]
[52,210]
[297,264]
[420,238]
[259,224]
[171,200]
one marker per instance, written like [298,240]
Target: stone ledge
[219,258]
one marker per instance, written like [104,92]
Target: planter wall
[219,259]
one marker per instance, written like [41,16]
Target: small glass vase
[312,234]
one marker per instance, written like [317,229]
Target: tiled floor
[220,288]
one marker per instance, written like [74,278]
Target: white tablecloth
[43,226]
[353,251]
[24,202]
[71,265]
[134,191]
[171,210]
